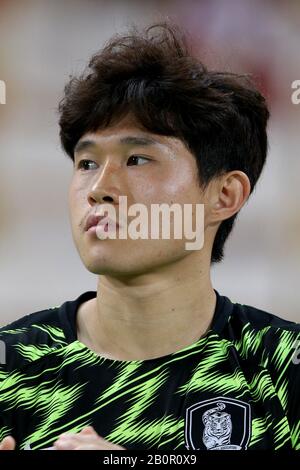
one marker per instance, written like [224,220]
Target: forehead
[128,132]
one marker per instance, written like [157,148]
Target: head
[209,143]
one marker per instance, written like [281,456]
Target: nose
[106,186]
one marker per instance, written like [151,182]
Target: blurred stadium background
[41,43]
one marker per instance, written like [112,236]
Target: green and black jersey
[237,387]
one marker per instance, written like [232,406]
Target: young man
[156,358]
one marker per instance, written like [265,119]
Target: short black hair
[151,72]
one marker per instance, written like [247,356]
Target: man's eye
[134,159]
[85,164]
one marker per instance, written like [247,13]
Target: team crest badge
[218,424]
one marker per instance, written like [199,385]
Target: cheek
[172,183]
[180,185]
[77,199]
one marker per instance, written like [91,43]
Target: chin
[98,265]
[127,261]
[119,267]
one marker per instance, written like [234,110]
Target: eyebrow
[127,140]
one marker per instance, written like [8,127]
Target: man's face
[105,168]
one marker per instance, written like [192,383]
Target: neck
[149,315]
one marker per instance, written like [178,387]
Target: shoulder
[29,338]
[259,318]
[38,334]
[265,339]
[245,318]
[269,348]
[262,338]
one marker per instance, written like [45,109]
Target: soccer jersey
[237,387]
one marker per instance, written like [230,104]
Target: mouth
[100,223]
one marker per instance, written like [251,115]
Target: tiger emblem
[217,427]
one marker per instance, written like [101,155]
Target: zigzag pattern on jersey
[52,400]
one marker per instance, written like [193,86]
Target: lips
[94,220]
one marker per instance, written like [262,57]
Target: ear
[226,196]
